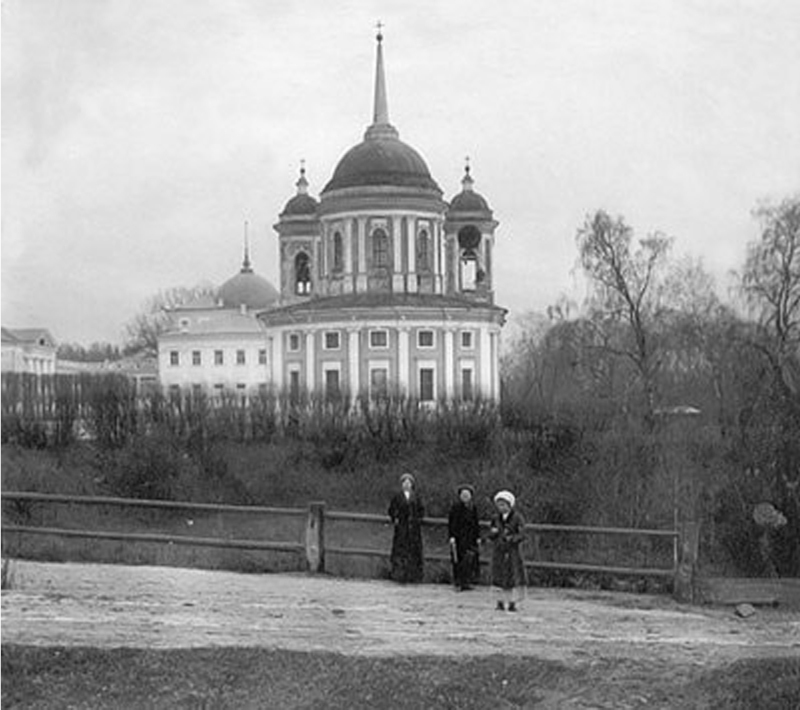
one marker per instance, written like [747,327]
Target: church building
[385,287]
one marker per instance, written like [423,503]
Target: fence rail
[312,548]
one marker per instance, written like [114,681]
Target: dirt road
[160,607]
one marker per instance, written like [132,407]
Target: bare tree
[143,329]
[770,283]
[626,291]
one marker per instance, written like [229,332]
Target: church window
[262,357]
[423,251]
[338,252]
[332,384]
[380,249]
[425,339]
[466,383]
[467,341]
[302,274]
[174,358]
[378,381]
[240,357]
[294,342]
[294,385]
[219,359]
[378,339]
[426,386]
[332,340]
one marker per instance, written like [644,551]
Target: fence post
[687,562]
[315,537]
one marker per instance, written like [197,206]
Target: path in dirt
[162,607]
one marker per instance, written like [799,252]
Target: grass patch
[259,678]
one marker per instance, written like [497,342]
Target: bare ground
[630,642]
[162,607]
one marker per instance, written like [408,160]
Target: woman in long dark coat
[406,511]
[508,569]
[464,531]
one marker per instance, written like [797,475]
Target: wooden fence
[316,545]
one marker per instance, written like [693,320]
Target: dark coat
[463,525]
[508,569]
[406,558]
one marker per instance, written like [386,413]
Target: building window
[302,274]
[378,381]
[197,358]
[294,386]
[338,252]
[262,357]
[380,249]
[218,388]
[466,383]
[425,339]
[174,358]
[294,342]
[197,389]
[332,384]
[219,359]
[379,339]
[426,389]
[423,252]
[467,341]
[240,358]
[241,386]
[174,390]
[332,340]
[184,324]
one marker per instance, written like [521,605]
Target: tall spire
[380,128]
[246,268]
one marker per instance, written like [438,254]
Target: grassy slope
[250,678]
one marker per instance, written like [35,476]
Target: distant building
[385,287]
[31,350]
[219,346]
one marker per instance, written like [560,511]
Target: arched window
[469,239]
[423,251]
[302,274]
[338,252]
[380,249]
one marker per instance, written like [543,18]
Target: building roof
[28,336]
[468,201]
[247,289]
[301,204]
[381,158]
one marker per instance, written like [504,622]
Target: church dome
[469,201]
[381,160]
[248,289]
[301,204]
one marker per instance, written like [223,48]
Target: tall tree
[625,291]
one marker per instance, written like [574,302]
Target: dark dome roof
[248,289]
[299,205]
[382,161]
[468,201]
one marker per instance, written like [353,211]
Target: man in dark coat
[406,512]
[464,531]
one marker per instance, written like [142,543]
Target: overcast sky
[139,135]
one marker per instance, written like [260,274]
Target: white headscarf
[507,496]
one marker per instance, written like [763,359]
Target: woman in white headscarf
[507,531]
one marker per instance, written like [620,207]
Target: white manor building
[385,287]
